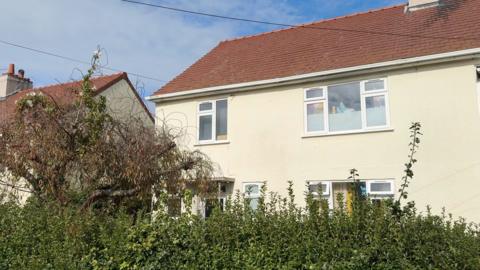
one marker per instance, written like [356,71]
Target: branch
[415,133]
[108,193]
[19,188]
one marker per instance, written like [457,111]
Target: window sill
[347,132]
[211,143]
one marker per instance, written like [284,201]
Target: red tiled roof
[299,50]
[65,93]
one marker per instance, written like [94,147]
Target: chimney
[11,83]
[21,73]
[414,5]
[11,69]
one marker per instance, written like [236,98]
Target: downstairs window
[252,192]
[375,190]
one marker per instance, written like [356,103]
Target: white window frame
[363,95]
[315,100]
[324,192]
[477,77]
[212,113]
[390,192]
[250,196]
[371,195]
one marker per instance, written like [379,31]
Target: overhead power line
[75,60]
[292,25]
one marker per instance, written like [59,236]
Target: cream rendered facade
[267,139]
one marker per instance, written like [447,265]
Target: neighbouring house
[123,101]
[308,103]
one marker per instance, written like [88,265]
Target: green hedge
[279,235]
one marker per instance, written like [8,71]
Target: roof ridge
[315,22]
[71,82]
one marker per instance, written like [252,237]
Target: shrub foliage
[279,235]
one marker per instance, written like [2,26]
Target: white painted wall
[266,142]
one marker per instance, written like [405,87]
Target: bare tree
[78,154]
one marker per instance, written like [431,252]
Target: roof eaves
[328,74]
[117,77]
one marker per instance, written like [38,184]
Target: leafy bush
[279,235]
[42,236]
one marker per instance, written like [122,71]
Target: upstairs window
[315,110]
[346,107]
[213,120]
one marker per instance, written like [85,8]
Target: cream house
[309,103]
[122,99]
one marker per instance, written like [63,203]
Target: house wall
[267,143]
[3,86]
[10,84]
[123,104]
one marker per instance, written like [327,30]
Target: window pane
[315,93]
[315,117]
[209,206]
[344,110]
[319,188]
[252,190]
[205,132]
[380,187]
[222,202]
[324,188]
[376,113]
[312,188]
[221,119]
[361,188]
[254,203]
[374,85]
[206,106]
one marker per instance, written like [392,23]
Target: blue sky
[153,42]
